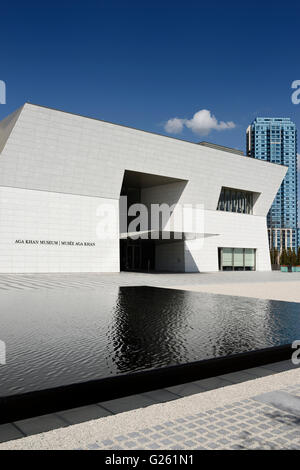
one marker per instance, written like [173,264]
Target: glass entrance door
[133,257]
[130,255]
[137,255]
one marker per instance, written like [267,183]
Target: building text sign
[54,242]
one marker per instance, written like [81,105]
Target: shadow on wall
[190,264]
[167,195]
[148,189]
[194,253]
[169,256]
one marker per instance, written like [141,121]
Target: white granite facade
[57,168]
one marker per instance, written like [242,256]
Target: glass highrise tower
[275,140]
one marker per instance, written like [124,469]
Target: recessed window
[236,200]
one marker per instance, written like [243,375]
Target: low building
[64,179]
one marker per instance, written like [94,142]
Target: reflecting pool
[63,336]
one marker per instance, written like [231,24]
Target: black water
[63,336]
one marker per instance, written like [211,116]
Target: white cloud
[202,123]
[174,126]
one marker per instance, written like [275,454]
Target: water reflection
[148,329]
[62,336]
[154,327]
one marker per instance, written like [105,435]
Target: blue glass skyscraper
[275,140]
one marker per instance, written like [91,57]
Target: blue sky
[142,63]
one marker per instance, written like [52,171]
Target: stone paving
[92,280]
[228,426]
[246,424]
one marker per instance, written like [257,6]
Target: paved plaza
[269,421]
[266,285]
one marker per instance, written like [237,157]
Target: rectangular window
[237,259]
[227,260]
[249,259]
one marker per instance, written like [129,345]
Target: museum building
[64,179]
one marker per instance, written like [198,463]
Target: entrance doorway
[145,188]
[137,255]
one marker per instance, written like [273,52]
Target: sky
[194,70]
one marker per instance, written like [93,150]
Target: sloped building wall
[57,168]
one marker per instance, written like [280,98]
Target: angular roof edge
[142,130]
[7,125]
